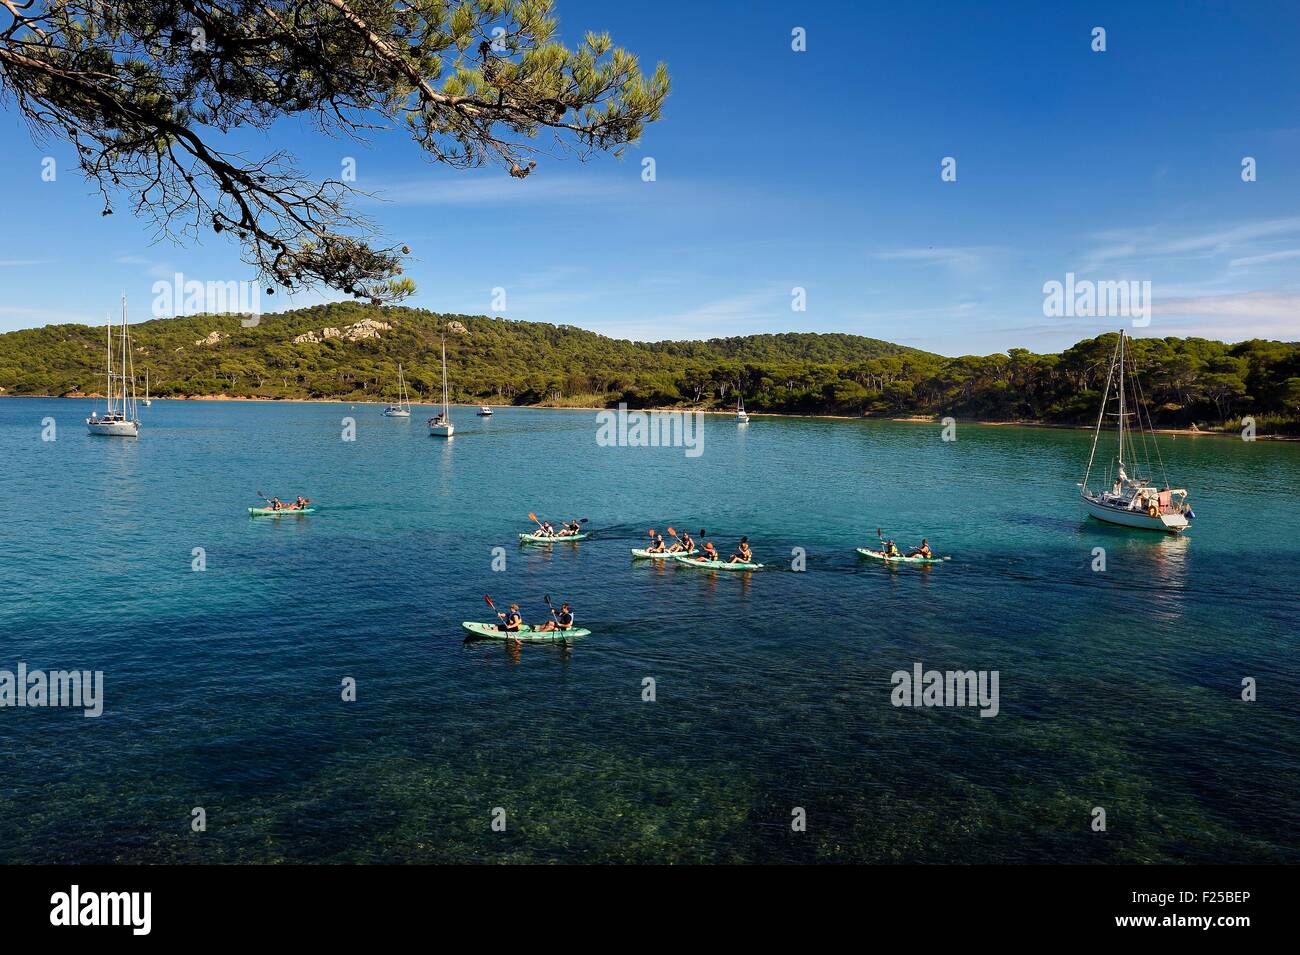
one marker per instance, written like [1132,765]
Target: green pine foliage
[1186,381]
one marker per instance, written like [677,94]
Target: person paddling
[512,621]
[923,550]
[547,529]
[709,553]
[684,545]
[743,554]
[562,620]
[570,529]
[889,548]
[658,547]
[277,504]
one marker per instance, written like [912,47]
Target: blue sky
[819,169]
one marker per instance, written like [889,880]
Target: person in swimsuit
[923,550]
[889,548]
[569,529]
[684,545]
[562,621]
[512,621]
[743,554]
[709,553]
[658,547]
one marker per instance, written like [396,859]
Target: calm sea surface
[1119,690]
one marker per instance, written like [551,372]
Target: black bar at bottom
[334,904]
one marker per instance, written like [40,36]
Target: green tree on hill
[1185,381]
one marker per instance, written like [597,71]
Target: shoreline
[907,419]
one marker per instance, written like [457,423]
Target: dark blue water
[1118,690]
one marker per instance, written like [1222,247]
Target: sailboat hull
[118,429]
[395,413]
[442,430]
[1166,523]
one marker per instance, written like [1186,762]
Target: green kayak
[878,555]
[491,631]
[713,564]
[642,554]
[272,512]
[544,539]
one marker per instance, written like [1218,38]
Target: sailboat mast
[444,378]
[1121,399]
[1101,415]
[121,359]
[108,393]
[128,370]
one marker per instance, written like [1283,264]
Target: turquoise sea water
[1118,690]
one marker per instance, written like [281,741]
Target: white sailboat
[121,417]
[485,411]
[741,417]
[403,407]
[1132,500]
[441,426]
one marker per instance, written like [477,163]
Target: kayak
[544,539]
[272,512]
[878,555]
[526,632]
[713,564]
[641,554]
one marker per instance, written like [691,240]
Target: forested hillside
[351,351]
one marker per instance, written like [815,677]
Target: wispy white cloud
[1231,317]
[23,263]
[154,268]
[33,317]
[765,302]
[962,260]
[1279,256]
[1145,243]
[1262,313]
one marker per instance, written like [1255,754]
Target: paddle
[580,521]
[533,517]
[703,534]
[882,541]
[672,532]
[555,616]
[500,626]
